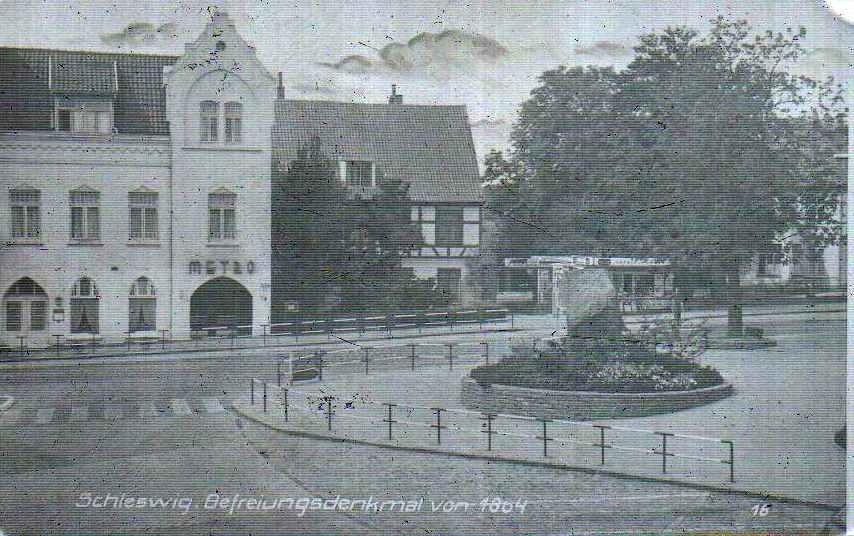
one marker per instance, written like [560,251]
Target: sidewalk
[783,438]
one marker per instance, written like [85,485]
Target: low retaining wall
[582,405]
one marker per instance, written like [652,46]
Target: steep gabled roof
[27,74]
[429,147]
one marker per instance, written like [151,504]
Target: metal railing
[233,337]
[468,431]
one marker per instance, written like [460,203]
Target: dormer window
[83,93]
[359,173]
[233,122]
[209,121]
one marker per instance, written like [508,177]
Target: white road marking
[112,412]
[212,405]
[79,413]
[45,415]
[8,418]
[180,407]
[147,409]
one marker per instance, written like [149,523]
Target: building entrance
[221,303]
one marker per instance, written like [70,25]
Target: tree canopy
[705,149]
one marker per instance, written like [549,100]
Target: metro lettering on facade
[136,189]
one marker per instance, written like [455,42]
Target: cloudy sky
[485,54]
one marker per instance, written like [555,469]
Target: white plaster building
[134,191]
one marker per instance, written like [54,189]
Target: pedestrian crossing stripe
[177,407]
[79,413]
[180,407]
[45,415]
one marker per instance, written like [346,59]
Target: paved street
[159,430]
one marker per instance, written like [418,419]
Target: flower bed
[649,375]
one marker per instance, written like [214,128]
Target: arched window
[233,122]
[208,121]
[142,306]
[84,306]
[25,307]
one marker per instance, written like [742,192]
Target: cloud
[431,54]
[601,49]
[142,33]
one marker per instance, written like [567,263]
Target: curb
[7,403]
[532,463]
[152,357]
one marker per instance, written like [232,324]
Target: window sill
[22,242]
[213,146]
[143,244]
[95,243]
[223,245]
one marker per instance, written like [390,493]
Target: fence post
[163,338]
[412,354]
[489,417]
[279,373]
[233,335]
[438,426]
[328,400]
[663,450]
[485,345]
[265,397]
[319,356]
[92,342]
[264,335]
[601,444]
[451,355]
[285,402]
[480,314]
[545,437]
[252,391]
[22,338]
[389,420]
[731,461]
[128,341]
[367,350]
[512,320]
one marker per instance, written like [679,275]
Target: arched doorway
[25,307]
[221,302]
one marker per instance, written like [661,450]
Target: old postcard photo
[497,267]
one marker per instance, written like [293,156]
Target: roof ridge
[97,52]
[375,104]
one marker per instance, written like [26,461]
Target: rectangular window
[359,173]
[209,121]
[14,311]
[38,315]
[449,226]
[222,223]
[85,215]
[143,215]
[86,118]
[84,315]
[141,314]
[26,213]
[233,122]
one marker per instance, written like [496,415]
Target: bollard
[233,335]
[279,374]
[412,354]
[485,345]
[319,356]
[264,335]
[128,341]
[451,355]
[285,403]
[252,392]
[163,338]
[22,338]
[512,321]
[389,420]
[367,350]
[731,461]
[265,397]
[92,343]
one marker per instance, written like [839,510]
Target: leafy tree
[705,149]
